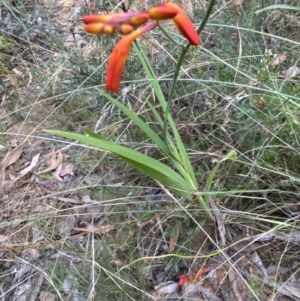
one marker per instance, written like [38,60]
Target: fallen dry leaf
[35,144]
[293,288]
[14,157]
[47,184]
[174,238]
[29,168]
[46,296]
[66,226]
[167,287]
[67,169]
[55,161]
[291,72]
[12,177]
[57,172]
[31,254]
[12,79]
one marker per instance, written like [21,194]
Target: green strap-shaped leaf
[143,163]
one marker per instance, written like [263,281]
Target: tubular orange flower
[104,28]
[125,29]
[185,25]
[130,18]
[170,10]
[100,28]
[139,20]
[119,56]
[162,12]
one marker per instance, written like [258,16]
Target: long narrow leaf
[186,163]
[143,163]
[174,155]
[212,174]
[140,123]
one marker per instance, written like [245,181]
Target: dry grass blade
[174,238]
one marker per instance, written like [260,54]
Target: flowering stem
[177,69]
[168,36]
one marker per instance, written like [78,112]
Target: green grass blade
[211,177]
[278,6]
[184,159]
[140,123]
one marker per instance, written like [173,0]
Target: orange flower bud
[97,18]
[125,29]
[162,12]
[119,56]
[104,28]
[185,25]
[170,10]
[139,19]
[131,18]
[100,28]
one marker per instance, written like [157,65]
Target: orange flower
[96,23]
[119,56]
[162,12]
[170,10]
[106,28]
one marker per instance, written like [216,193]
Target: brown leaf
[13,79]
[35,144]
[291,72]
[46,296]
[56,159]
[167,287]
[57,172]
[12,177]
[291,287]
[31,254]
[67,169]
[66,226]
[14,157]
[29,168]
[174,238]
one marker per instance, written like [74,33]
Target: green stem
[167,35]
[178,66]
